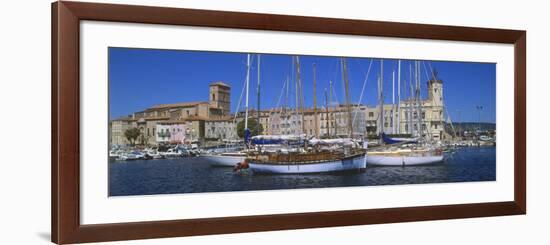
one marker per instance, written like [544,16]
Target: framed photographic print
[176,122]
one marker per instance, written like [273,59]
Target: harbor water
[194,175]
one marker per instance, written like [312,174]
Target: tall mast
[315,100]
[286,96]
[299,93]
[333,117]
[285,119]
[348,104]
[327,114]
[399,96]
[258,93]
[410,100]
[393,102]
[381,97]
[296,95]
[247,82]
[417,95]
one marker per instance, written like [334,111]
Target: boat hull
[347,164]
[223,161]
[385,160]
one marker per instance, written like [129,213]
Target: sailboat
[310,156]
[405,156]
[226,159]
[231,159]
[403,151]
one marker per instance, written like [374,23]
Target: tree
[252,126]
[132,135]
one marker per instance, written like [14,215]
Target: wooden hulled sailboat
[313,155]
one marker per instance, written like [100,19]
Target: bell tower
[220,97]
[435,90]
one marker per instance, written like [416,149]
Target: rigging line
[280,97]
[362,90]
[428,131]
[343,83]
[240,101]
[335,95]
[360,65]
[332,73]
[284,92]
[442,102]
[431,69]
[426,71]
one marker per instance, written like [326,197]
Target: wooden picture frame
[65,177]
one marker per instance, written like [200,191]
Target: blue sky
[140,78]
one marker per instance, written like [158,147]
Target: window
[213,97]
[423,115]
[371,114]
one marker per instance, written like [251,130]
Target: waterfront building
[283,121]
[173,132]
[224,129]
[117,129]
[265,118]
[366,119]
[432,121]
[211,121]
[191,115]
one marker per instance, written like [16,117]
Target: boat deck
[301,158]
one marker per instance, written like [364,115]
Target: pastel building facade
[211,121]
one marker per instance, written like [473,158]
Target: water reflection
[192,175]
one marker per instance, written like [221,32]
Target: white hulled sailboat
[231,159]
[403,151]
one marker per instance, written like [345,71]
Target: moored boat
[311,162]
[129,156]
[314,156]
[229,159]
[404,157]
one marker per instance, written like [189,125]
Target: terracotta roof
[228,119]
[155,118]
[195,118]
[172,122]
[219,83]
[175,105]
[122,119]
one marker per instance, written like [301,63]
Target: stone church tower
[435,90]
[220,98]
